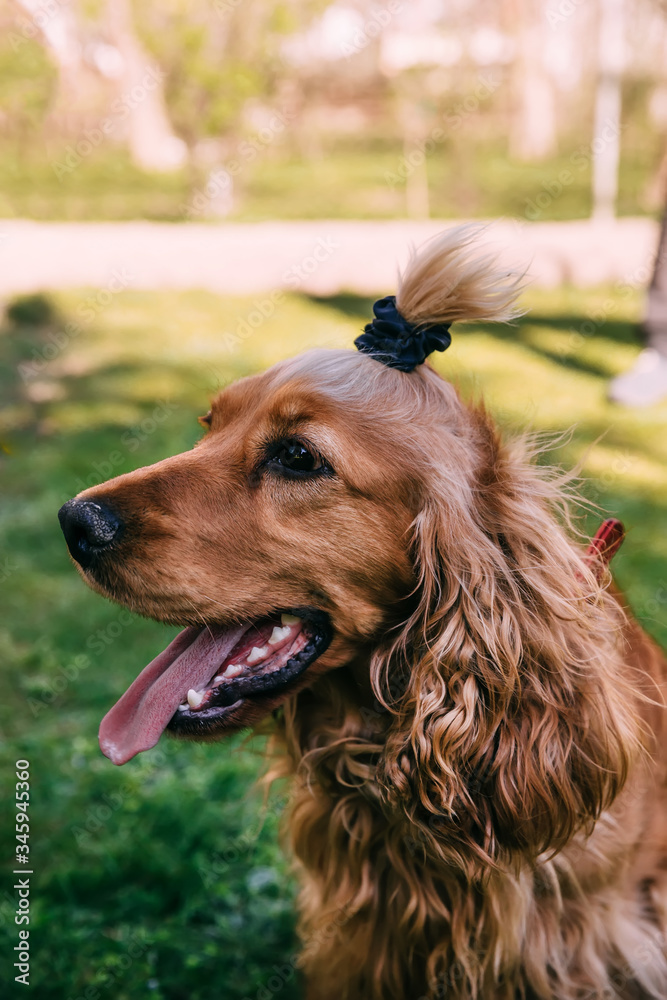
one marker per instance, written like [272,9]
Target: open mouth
[212,679]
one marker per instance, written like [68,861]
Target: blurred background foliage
[518,88]
[166,878]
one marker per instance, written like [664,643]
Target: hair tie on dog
[389,338]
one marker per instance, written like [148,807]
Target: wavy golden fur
[464,836]
[479,804]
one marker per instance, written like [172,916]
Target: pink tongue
[139,718]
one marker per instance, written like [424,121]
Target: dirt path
[321,257]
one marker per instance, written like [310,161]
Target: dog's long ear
[513,726]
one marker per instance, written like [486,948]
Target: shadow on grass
[78,413]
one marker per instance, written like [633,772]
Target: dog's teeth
[290,620]
[217,679]
[195,698]
[256,654]
[278,635]
[233,670]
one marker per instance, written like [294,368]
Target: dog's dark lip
[255,694]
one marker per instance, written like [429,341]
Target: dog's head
[338,511]
[280,541]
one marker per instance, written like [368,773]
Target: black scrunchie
[389,338]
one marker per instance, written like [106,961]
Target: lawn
[348,180]
[164,878]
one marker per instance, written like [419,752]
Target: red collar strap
[605,544]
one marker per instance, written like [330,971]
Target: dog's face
[281,540]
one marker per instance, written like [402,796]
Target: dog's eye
[295,456]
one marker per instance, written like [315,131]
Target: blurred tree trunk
[656,186]
[60,35]
[413,122]
[607,129]
[84,87]
[533,135]
[655,319]
[417,198]
[151,140]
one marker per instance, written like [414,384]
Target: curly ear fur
[512,729]
[507,720]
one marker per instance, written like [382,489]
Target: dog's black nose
[88,527]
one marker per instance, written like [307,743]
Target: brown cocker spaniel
[472,719]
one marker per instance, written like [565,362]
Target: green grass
[164,878]
[104,185]
[360,179]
